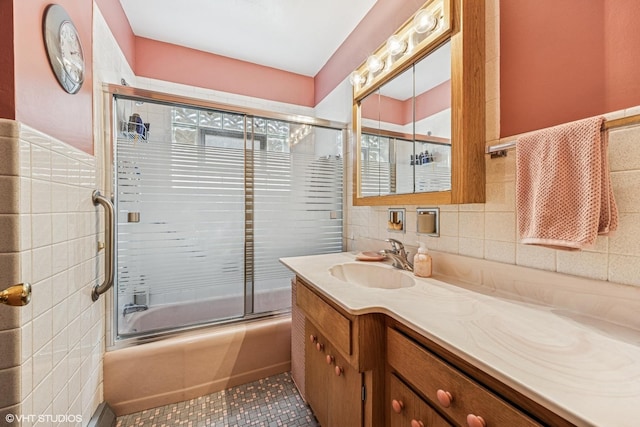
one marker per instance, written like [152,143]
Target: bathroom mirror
[419,119]
[405,140]
[387,137]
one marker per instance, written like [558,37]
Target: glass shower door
[207,203]
[180,220]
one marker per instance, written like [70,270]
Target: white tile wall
[61,331]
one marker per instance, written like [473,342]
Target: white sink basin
[372,275]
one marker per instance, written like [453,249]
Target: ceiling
[293,35]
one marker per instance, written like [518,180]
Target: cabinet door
[345,402]
[316,375]
[407,409]
[333,387]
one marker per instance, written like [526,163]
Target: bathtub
[196,363]
[166,316]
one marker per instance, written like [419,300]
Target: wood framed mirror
[419,117]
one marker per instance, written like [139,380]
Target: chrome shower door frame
[109,153]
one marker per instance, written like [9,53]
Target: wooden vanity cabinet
[344,362]
[370,370]
[459,399]
[407,409]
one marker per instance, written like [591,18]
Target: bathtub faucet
[132,308]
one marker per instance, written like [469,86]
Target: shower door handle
[109,230]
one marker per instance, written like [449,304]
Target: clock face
[72,60]
[63,48]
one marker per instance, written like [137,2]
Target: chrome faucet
[399,256]
[132,308]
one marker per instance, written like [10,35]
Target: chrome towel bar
[500,150]
[109,230]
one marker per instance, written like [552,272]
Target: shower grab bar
[109,228]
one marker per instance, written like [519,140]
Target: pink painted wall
[621,54]
[119,24]
[580,60]
[192,67]
[7,93]
[551,63]
[382,20]
[40,102]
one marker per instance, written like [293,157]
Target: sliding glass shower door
[207,202]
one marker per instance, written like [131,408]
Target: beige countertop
[579,364]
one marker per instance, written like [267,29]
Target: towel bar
[500,150]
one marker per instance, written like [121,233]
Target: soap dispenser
[422,262]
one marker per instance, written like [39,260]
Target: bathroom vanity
[343,354]
[480,344]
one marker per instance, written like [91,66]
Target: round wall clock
[63,48]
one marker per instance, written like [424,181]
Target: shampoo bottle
[422,262]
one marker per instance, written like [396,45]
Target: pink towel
[563,188]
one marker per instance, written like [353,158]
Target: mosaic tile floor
[269,402]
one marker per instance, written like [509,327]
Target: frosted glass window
[233,122]
[276,127]
[185,135]
[212,119]
[259,125]
[185,115]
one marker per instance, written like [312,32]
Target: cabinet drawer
[438,382]
[408,409]
[330,322]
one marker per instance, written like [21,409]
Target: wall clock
[63,48]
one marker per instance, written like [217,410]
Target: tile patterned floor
[269,402]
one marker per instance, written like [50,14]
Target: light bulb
[424,21]
[374,64]
[395,45]
[356,79]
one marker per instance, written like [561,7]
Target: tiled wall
[488,231]
[51,358]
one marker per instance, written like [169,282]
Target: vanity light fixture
[356,79]
[422,32]
[374,64]
[424,21]
[395,45]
